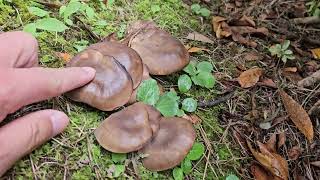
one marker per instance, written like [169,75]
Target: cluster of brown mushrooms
[120,68]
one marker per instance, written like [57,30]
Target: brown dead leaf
[64,56]
[290,69]
[271,143]
[195,36]
[194,119]
[259,173]
[197,49]
[250,77]
[316,163]
[243,21]
[316,53]
[279,120]
[267,82]
[216,20]
[282,139]
[298,115]
[220,27]
[293,77]
[252,56]
[242,30]
[273,162]
[294,152]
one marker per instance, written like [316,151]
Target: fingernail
[59,122]
[90,71]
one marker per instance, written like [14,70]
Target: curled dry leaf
[272,162]
[298,115]
[243,21]
[250,77]
[290,69]
[195,36]
[259,173]
[316,53]
[197,49]
[268,83]
[220,27]
[271,143]
[282,139]
[294,152]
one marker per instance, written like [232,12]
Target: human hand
[23,83]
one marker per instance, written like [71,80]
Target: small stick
[307,20]
[215,102]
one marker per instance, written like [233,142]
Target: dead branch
[216,101]
[307,20]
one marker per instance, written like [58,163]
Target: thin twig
[215,102]
[88,29]
[33,169]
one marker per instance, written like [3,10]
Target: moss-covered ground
[75,154]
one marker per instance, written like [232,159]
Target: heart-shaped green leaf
[184,83]
[196,151]
[148,92]
[189,104]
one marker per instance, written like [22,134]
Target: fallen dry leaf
[259,173]
[293,77]
[250,77]
[195,36]
[267,82]
[273,162]
[243,21]
[194,119]
[310,80]
[316,53]
[197,49]
[282,139]
[271,143]
[290,69]
[279,120]
[294,152]
[298,115]
[220,27]
[252,56]
[249,30]
[64,56]
[315,163]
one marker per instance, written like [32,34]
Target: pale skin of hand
[23,82]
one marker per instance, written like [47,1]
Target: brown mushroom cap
[154,118]
[126,56]
[171,144]
[161,52]
[111,87]
[125,131]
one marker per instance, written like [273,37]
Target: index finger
[20,87]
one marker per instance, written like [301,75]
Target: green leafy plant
[186,166]
[81,45]
[201,75]
[73,7]
[47,23]
[314,8]
[232,177]
[197,9]
[282,51]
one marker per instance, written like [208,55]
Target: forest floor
[246,106]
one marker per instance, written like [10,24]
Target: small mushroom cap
[111,87]
[125,131]
[126,56]
[171,144]
[161,52]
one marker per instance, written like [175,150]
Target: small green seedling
[314,8]
[282,51]
[186,166]
[197,9]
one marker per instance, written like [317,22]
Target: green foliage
[51,24]
[282,51]
[119,169]
[186,166]
[177,173]
[117,157]
[201,74]
[197,9]
[314,8]
[196,151]
[38,12]
[189,104]
[148,92]
[81,45]
[168,104]
[184,83]
[232,177]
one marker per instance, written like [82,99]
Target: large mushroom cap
[125,131]
[170,146]
[162,53]
[111,87]
[126,56]
[154,118]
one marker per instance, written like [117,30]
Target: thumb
[23,135]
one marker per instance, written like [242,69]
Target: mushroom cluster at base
[121,66]
[164,141]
